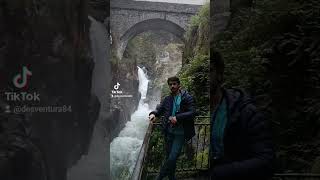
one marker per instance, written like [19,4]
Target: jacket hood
[183,92]
[236,99]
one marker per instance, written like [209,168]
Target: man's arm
[159,109]
[259,165]
[190,110]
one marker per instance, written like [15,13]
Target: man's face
[174,86]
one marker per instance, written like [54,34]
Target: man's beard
[173,90]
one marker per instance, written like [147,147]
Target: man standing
[178,124]
[241,142]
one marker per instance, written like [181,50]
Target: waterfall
[93,165]
[100,43]
[125,148]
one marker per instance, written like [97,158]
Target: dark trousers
[173,145]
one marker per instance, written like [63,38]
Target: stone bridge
[130,18]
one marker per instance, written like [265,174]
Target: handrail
[140,170]
[137,172]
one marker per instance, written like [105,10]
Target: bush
[272,51]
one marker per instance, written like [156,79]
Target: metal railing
[142,158]
[194,158]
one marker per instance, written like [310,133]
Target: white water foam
[125,148]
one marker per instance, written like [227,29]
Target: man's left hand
[173,120]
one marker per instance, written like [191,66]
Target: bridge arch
[149,25]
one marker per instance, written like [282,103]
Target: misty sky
[200,2]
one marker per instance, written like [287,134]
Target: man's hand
[173,120]
[152,118]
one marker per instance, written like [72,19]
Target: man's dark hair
[216,75]
[217,62]
[173,79]
[217,66]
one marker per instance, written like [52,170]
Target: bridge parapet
[155,6]
[130,18]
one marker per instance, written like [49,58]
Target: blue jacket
[185,116]
[248,148]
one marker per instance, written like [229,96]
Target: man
[178,124]
[241,142]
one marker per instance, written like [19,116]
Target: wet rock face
[159,52]
[50,37]
[126,74]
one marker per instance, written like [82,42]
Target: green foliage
[156,152]
[202,158]
[272,51]
[195,71]
[189,158]
[194,77]
[165,91]
[197,35]
[201,19]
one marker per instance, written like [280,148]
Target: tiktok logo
[116,91]
[20,80]
[116,87]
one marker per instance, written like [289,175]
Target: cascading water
[125,148]
[93,165]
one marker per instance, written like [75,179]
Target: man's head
[216,70]
[216,77]
[174,84]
